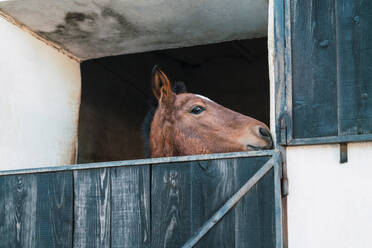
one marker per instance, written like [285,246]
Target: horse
[181,123]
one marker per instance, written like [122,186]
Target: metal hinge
[284,186]
[284,178]
[343,153]
[283,165]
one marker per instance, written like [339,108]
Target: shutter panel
[331,74]
[354,35]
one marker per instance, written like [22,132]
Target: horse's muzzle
[266,135]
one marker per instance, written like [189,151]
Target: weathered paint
[329,54]
[329,204]
[229,205]
[121,206]
[97,28]
[39,103]
[152,161]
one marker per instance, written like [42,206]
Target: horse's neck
[161,140]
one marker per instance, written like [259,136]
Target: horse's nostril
[264,132]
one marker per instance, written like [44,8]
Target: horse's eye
[197,110]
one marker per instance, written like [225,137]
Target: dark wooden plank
[212,186]
[314,68]
[254,214]
[229,204]
[92,208]
[18,211]
[54,210]
[171,205]
[7,212]
[130,193]
[266,202]
[354,21]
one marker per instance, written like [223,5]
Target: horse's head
[188,124]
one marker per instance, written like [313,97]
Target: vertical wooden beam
[171,205]
[92,206]
[210,189]
[130,194]
[254,214]
[54,210]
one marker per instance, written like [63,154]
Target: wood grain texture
[171,205]
[92,208]
[254,214]
[138,206]
[354,42]
[130,196]
[54,210]
[213,185]
[331,69]
[129,163]
[314,68]
[18,211]
[192,192]
[7,212]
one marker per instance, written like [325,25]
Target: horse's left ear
[161,86]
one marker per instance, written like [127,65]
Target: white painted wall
[39,102]
[330,204]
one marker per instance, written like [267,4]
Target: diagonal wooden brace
[229,204]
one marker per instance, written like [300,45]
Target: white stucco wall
[39,103]
[330,204]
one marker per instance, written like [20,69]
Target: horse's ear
[161,86]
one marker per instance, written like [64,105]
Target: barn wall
[329,204]
[39,103]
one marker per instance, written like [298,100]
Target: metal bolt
[364,96]
[324,43]
[356,19]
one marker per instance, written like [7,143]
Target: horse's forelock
[179,87]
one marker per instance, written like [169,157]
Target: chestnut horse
[189,124]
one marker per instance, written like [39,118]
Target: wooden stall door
[158,205]
[188,194]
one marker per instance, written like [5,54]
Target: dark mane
[178,87]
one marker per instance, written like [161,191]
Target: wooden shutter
[329,71]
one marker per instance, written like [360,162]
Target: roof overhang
[97,28]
